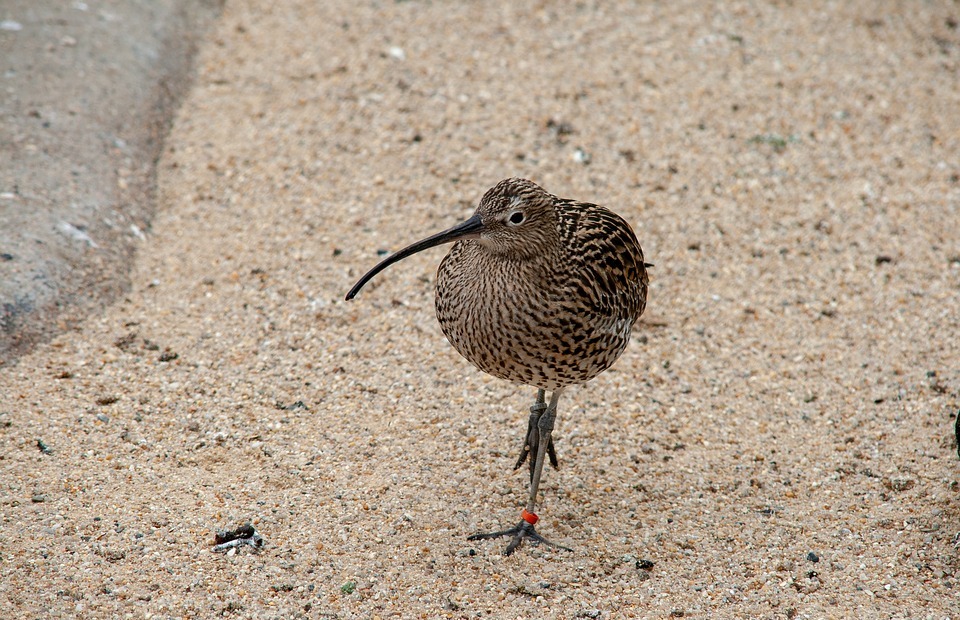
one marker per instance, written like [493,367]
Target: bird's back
[559,318]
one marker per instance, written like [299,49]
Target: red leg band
[529,517]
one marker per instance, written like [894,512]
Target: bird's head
[515,220]
[518,219]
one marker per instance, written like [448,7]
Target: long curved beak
[469,229]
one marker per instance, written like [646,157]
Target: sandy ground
[87,91]
[775,443]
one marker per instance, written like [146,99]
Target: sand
[776,442]
[87,92]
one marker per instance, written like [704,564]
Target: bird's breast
[524,321]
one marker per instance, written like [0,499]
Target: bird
[541,291]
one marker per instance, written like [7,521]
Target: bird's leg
[532,439]
[525,529]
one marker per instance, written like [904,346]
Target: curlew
[537,290]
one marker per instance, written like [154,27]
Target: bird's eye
[516,217]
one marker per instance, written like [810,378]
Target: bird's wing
[607,274]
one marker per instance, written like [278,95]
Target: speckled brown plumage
[549,302]
[537,290]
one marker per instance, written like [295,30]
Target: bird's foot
[532,440]
[522,530]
